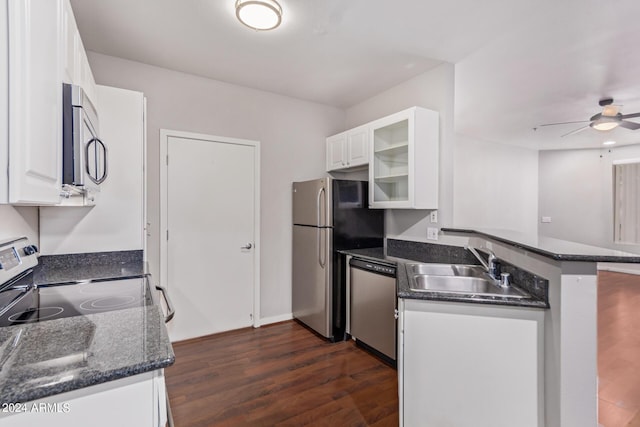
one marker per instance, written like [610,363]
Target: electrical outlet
[546,219]
[432,233]
[434,217]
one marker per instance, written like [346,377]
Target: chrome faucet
[491,265]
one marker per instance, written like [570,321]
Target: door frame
[165,134]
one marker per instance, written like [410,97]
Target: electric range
[22,301]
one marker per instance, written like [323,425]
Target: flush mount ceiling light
[259,15]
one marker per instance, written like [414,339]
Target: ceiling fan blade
[564,123]
[629,125]
[575,131]
[630,116]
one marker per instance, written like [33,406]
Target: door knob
[247,246]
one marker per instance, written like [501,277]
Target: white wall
[19,221]
[482,184]
[116,222]
[576,191]
[433,90]
[495,186]
[292,136]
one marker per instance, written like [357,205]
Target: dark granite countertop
[53,269]
[46,358]
[55,356]
[410,252]
[560,250]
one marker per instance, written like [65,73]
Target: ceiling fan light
[604,125]
[259,15]
[610,110]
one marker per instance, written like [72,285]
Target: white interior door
[210,258]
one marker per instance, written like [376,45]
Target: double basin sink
[457,279]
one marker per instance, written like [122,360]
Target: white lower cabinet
[470,365]
[138,401]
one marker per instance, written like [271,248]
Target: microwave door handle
[94,142]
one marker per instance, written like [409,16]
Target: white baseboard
[276,319]
[620,268]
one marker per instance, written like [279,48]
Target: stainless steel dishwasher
[372,306]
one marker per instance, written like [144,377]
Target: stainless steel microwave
[84,155]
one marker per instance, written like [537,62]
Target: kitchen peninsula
[570,324]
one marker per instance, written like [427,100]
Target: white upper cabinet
[70,38]
[35,102]
[43,50]
[336,151]
[403,165]
[75,66]
[358,146]
[348,150]
[85,79]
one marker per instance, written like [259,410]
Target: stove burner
[35,314]
[109,302]
[74,299]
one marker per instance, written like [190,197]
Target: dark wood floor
[284,375]
[279,375]
[619,349]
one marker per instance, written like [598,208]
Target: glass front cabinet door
[403,163]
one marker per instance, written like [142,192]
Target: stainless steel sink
[457,279]
[446,270]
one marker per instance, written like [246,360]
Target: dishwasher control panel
[373,267]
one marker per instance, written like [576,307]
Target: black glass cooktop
[43,303]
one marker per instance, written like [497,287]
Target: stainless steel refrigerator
[328,215]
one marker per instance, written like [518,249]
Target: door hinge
[167,159]
[167,234]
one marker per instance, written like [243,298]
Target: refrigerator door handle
[321,258]
[319,222]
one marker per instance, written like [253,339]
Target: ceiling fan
[608,119]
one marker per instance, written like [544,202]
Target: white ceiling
[555,67]
[519,63]
[336,52]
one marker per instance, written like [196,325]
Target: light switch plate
[546,219]
[432,233]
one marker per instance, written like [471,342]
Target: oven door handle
[165,295]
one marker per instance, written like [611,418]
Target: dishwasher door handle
[170,308]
